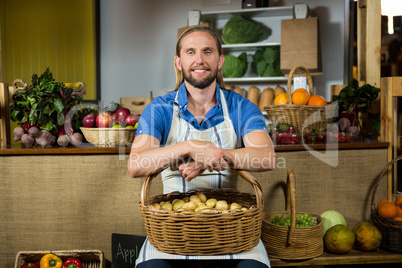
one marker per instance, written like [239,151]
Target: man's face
[199,59]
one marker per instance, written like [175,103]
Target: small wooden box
[88,258]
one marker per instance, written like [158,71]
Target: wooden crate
[88,258]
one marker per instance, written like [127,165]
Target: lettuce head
[240,30]
[234,66]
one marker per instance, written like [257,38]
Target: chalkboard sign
[125,249]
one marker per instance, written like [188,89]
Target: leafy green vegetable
[267,61]
[44,104]
[234,66]
[353,98]
[240,30]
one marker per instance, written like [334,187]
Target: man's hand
[209,156]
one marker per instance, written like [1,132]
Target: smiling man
[196,134]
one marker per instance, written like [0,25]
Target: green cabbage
[268,62]
[234,66]
[331,218]
[240,30]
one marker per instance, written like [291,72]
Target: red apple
[89,120]
[122,113]
[131,119]
[103,119]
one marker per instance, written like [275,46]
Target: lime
[116,126]
[136,124]
[129,127]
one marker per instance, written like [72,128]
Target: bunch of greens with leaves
[44,104]
[353,98]
[267,62]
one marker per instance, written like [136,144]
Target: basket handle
[291,203]
[309,81]
[244,174]
[378,179]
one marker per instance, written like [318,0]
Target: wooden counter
[75,198]
[86,148]
[356,257]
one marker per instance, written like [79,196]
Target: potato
[195,199]
[222,205]
[211,203]
[243,209]
[200,206]
[202,197]
[156,206]
[167,206]
[189,205]
[178,204]
[234,206]
[186,199]
[175,200]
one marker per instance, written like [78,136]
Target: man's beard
[202,83]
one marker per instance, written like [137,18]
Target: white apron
[224,136]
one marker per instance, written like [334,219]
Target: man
[198,132]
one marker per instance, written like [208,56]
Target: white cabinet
[270,18]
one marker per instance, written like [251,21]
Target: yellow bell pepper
[50,261]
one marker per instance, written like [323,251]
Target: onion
[331,218]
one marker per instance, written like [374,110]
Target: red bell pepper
[72,263]
[30,265]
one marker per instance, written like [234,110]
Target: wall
[54,33]
[138,41]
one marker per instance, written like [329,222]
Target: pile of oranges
[301,97]
[390,210]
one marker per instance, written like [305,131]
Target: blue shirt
[157,116]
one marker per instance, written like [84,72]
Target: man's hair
[179,74]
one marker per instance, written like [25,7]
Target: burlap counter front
[59,202]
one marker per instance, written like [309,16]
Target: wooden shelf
[352,257]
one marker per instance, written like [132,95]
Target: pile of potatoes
[260,98]
[198,203]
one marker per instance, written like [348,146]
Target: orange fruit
[399,218]
[382,201]
[399,211]
[317,100]
[398,200]
[302,89]
[300,97]
[387,210]
[281,99]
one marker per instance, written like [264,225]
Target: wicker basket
[291,242]
[109,137]
[302,117]
[391,230]
[88,258]
[198,233]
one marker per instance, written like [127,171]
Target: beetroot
[17,133]
[63,140]
[354,130]
[44,138]
[27,140]
[343,123]
[76,139]
[33,131]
